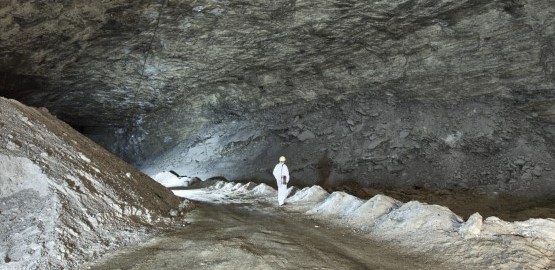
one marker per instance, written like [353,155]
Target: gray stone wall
[480,144]
[445,93]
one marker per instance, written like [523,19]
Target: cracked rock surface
[442,94]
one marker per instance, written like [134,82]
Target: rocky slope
[64,199]
[441,93]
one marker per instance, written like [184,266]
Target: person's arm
[286,173]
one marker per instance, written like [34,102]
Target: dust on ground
[241,227]
[254,236]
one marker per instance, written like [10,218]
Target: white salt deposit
[372,209]
[18,174]
[201,195]
[169,179]
[298,195]
[84,158]
[338,204]
[309,194]
[532,228]
[472,227]
[247,187]
[494,225]
[228,186]
[263,189]
[219,185]
[537,228]
[236,187]
[415,217]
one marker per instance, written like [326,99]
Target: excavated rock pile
[64,199]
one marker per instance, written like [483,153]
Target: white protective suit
[281,170]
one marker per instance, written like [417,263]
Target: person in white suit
[281,173]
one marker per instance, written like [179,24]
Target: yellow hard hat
[282,159]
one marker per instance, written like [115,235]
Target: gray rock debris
[64,199]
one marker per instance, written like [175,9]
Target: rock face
[64,199]
[443,93]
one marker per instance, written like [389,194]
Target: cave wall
[413,92]
[480,144]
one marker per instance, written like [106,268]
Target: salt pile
[63,199]
[414,217]
[236,187]
[338,204]
[536,228]
[219,185]
[170,180]
[366,214]
[309,194]
[228,186]
[247,187]
[263,189]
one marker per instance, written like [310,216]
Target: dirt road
[258,236]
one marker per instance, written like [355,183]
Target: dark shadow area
[324,166]
[17,86]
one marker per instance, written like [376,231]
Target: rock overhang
[144,77]
[123,59]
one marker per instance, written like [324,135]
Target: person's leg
[282,193]
[279,194]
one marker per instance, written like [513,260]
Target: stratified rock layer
[64,199]
[444,93]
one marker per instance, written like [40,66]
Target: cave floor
[259,235]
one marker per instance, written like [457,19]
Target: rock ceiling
[144,76]
[103,62]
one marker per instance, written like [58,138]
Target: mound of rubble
[65,200]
